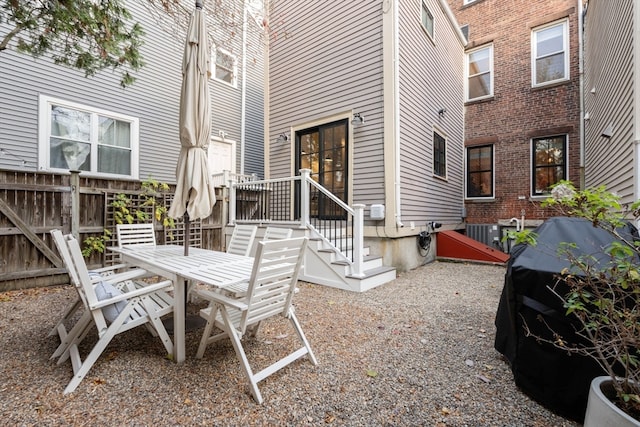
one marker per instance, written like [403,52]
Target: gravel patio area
[417,351]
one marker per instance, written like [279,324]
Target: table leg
[178,320]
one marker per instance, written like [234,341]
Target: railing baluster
[271,200]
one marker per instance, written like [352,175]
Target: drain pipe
[396,113]
[243,101]
[581,135]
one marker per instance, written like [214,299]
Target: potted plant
[603,299]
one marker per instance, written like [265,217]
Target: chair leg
[204,341]
[97,350]
[303,338]
[71,336]
[158,327]
[68,313]
[235,337]
[253,330]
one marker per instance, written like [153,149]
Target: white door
[222,156]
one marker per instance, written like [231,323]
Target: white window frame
[565,49]
[423,8]
[467,76]
[446,156]
[44,134]
[234,70]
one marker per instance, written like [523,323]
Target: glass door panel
[323,150]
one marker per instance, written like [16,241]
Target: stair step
[374,272]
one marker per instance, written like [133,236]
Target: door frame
[344,115]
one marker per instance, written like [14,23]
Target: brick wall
[517,112]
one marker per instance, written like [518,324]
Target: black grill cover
[557,380]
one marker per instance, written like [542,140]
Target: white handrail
[357,212]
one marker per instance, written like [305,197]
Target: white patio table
[211,268]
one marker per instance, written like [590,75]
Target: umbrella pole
[191,322]
[186,253]
[186,234]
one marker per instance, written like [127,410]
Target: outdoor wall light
[357,120]
[282,138]
[442,111]
[222,134]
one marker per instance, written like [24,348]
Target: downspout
[243,102]
[581,89]
[396,107]
[636,100]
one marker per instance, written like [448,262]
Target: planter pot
[601,412]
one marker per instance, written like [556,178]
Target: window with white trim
[550,53]
[549,163]
[226,67]
[480,167]
[439,155]
[427,20]
[479,72]
[78,137]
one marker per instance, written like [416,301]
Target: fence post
[75,204]
[232,201]
[358,240]
[305,198]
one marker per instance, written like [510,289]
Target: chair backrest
[242,239]
[85,286]
[277,233]
[136,234]
[273,279]
[60,241]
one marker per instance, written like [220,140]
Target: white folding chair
[269,293]
[112,311]
[277,233]
[108,271]
[242,239]
[136,234]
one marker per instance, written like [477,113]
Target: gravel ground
[417,351]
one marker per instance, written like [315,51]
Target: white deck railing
[300,201]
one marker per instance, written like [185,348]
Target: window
[480,73]
[549,163]
[226,67]
[550,54]
[77,137]
[480,171]
[465,2]
[427,20]
[439,155]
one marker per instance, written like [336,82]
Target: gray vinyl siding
[610,68]
[226,100]
[154,99]
[254,111]
[329,62]
[431,78]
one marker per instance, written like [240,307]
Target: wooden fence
[32,204]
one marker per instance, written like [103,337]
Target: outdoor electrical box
[377,212]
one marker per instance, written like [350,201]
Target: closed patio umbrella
[195,193]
